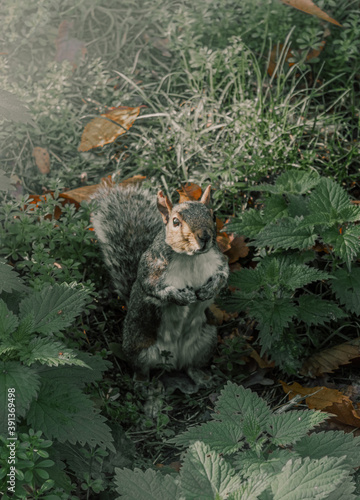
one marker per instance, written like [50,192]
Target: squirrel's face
[190,226]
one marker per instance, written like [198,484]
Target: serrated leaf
[63,412]
[346,286]
[206,475]
[344,492]
[287,428]
[10,281]
[329,204]
[251,464]
[345,243]
[148,485]
[286,233]
[8,321]
[48,352]
[249,225]
[25,381]
[332,444]
[235,402]
[292,182]
[25,329]
[223,437]
[275,208]
[55,307]
[314,310]
[252,488]
[78,375]
[308,479]
[297,206]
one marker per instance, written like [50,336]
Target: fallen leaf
[105,128]
[42,159]
[262,362]
[238,248]
[330,359]
[189,192]
[68,48]
[275,55]
[309,7]
[327,400]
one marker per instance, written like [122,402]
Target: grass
[213,113]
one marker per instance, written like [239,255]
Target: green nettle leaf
[287,428]
[8,321]
[48,352]
[332,444]
[25,381]
[252,464]
[223,437]
[148,485]
[275,208]
[205,474]
[9,280]
[347,288]
[314,310]
[63,412]
[250,224]
[298,205]
[286,233]
[55,307]
[293,182]
[235,402]
[330,204]
[25,329]
[345,243]
[345,492]
[309,479]
[273,317]
[251,489]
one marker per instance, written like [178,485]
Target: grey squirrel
[166,265]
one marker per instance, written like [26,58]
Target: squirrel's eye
[176,222]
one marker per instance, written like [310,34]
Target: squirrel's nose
[203,238]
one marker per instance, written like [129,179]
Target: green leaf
[148,485]
[286,233]
[8,321]
[289,427]
[252,488]
[314,310]
[223,437]
[298,205]
[332,444]
[249,225]
[25,381]
[25,329]
[48,352]
[251,464]
[344,492]
[235,402]
[10,280]
[206,475]
[275,208]
[308,479]
[63,412]
[292,182]
[347,288]
[345,244]
[5,182]
[55,307]
[329,204]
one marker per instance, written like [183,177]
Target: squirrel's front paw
[183,296]
[207,291]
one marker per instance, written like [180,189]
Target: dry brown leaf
[189,192]
[102,129]
[328,400]
[262,362]
[238,248]
[42,159]
[275,55]
[310,8]
[330,359]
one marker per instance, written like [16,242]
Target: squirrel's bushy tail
[126,221]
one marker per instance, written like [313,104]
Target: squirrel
[165,263]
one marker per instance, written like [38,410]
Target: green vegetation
[280,148]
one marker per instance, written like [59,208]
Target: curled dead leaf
[189,192]
[42,159]
[309,7]
[330,359]
[105,128]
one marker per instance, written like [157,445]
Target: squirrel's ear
[206,195]
[164,205]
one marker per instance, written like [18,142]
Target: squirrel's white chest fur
[183,330]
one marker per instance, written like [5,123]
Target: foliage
[249,452]
[305,233]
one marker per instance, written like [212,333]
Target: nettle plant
[49,380]
[307,244]
[248,452]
